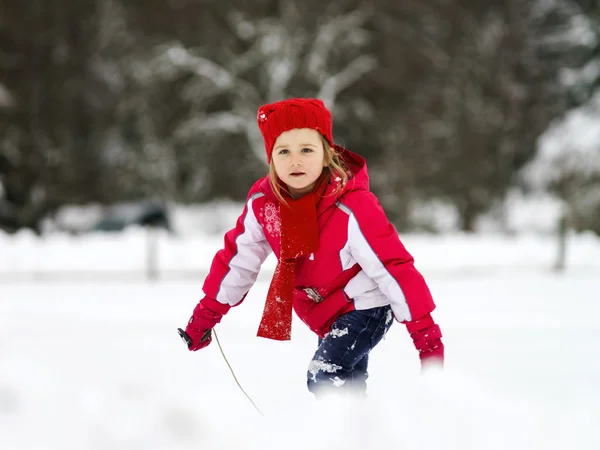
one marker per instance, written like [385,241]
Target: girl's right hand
[206,315]
[196,339]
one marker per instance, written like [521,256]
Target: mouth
[296,174]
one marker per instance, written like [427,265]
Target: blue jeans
[341,360]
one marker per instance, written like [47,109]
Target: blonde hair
[335,168]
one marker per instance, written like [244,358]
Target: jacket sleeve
[375,245]
[235,267]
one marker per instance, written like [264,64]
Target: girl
[341,266]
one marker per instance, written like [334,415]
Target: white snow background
[90,357]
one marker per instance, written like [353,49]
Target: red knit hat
[275,118]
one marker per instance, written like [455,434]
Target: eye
[283,151]
[307,150]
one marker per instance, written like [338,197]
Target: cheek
[317,171]
[278,170]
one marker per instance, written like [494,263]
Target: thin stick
[233,373]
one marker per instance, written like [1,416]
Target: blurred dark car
[146,214]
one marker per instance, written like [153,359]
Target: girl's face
[299,157]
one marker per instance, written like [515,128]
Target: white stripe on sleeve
[252,250]
[365,256]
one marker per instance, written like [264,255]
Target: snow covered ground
[96,363]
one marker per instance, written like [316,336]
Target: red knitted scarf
[299,237]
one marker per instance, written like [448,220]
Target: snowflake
[270,215]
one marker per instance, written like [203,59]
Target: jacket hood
[357,168]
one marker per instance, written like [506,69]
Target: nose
[295,160]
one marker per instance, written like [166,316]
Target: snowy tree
[480,94]
[567,162]
[187,120]
[141,158]
[107,100]
[581,77]
[326,57]
[54,107]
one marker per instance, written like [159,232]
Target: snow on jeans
[340,363]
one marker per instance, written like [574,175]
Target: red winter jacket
[353,228]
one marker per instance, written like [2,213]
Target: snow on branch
[345,78]
[181,57]
[571,147]
[580,30]
[328,35]
[583,76]
[6,99]
[218,122]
